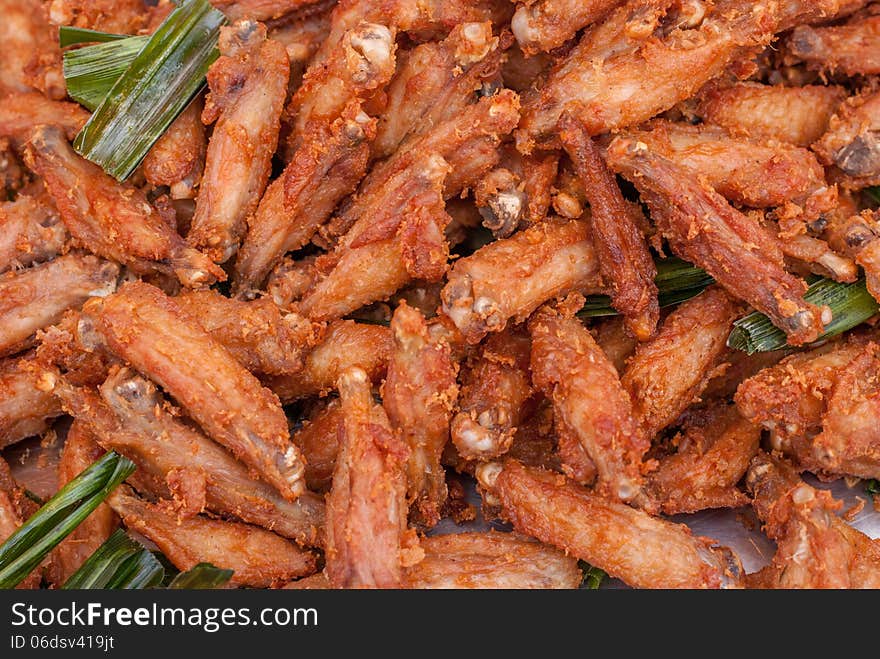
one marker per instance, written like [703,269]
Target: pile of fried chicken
[345,282]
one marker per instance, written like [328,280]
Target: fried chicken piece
[642,60]
[704,229]
[669,372]
[177,159]
[25,409]
[796,115]
[366,507]
[132,418]
[543,25]
[814,547]
[31,231]
[259,558]
[290,279]
[851,48]
[31,55]
[80,451]
[599,435]
[509,279]
[435,81]
[257,334]
[745,172]
[116,16]
[346,344]
[714,450]
[629,544]
[261,10]
[248,84]
[857,236]
[624,260]
[35,298]
[618,344]
[326,167]
[401,240]
[852,143]
[12,173]
[319,444]
[154,335]
[418,395]
[111,219]
[495,396]
[12,515]
[301,33]
[21,112]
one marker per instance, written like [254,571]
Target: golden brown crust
[30,231]
[543,25]
[31,56]
[318,441]
[852,142]
[177,159]
[25,409]
[22,112]
[851,48]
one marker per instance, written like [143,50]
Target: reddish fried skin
[624,259]
[641,550]
[543,25]
[116,16]
[13,511]
[258,558]
[852,48]
[111,219]
[25,408]
[260,10]
[248,84]
[152,333]
[669,372]
[177,159]
[31,56]
[593,414]
[30,231]
[704,229]
[319,444]
[22,112]
[508,279]
[418,395]
[366,507]
[852,143]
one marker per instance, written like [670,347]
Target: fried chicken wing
[852,142]
[248,84]
[543,25]
[111,219]
[25,409]
[30,231]
[177,159]
[154,335]
[643,551]
[12,515]
[852,48]
[318,441]
[261,10]
[366,507]
[31,55]
[21,113]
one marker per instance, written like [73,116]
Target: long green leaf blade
[851,305]
[119,563]
[55,520]
[92,71]
[158,85]
[70,36]
[203,576]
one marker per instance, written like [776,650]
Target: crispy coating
[624,259]
[856,236]
[258,557]
[418,395]
[592,412]
[257,333]
[852,48]
[177,159]
[543,25]
[319,444]
[248,84]
[643,551]
[703,228]
[643,59]
[797,115]
[402,241]
[25,409]
[30,231]
[111,219]
[509,279]
[669,372]
[618,344]
[155,336]
[745,172]
[495,396]
[260,10]
[852,143]
[35,298]
[21,112]
[326,167]
[116,16]
[31,56]
[366,507]
[80,450]
[14,510]
[714,450]
[814,547]
[346,344]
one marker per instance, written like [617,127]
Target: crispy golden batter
[35,298]
[704,229]
[853,48]
[366,507]
[177,159]
[30,231]
[116,16]
[111,219]
[643,551]
[31,56]
[508,279]
[13,511]
[154,335]
[21,112]
[260,10]
[598,432]
[624,260]
[25,409]
[258,557]
[248,85]
[542,25]
[852,143]
[856,235]
[669,372]
[418,395]
[618,344]
[318,441]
